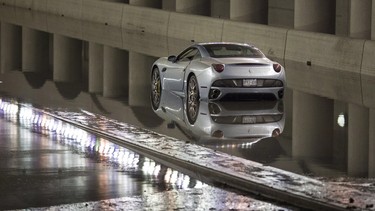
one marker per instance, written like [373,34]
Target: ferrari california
[217,71]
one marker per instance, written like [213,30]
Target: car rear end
[247,80]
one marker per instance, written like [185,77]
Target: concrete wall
[270,40]
[335,62]
[353,18]
[325,65]
[368,74]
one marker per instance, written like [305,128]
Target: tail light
[277,67]
[218,67]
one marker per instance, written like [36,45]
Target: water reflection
[149,184]
[246,129]
[92,146]
[224,121]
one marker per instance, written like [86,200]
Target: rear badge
[250,71]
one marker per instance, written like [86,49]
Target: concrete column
[373,20]
[197,7]
[281,13]
[358,140]
[35,50]
[11,47]
[288,111]
[96,68]
[315,15]
[147,3]
[312,125]
[371,163]
[340,134]
[139,79]
[252,11]
[115,73]
[353,18]
[220,9]
[67,59]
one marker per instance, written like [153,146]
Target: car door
[174,75]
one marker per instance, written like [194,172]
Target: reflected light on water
[86,143]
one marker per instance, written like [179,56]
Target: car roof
[223,43]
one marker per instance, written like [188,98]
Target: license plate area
[249,82]
[249,120]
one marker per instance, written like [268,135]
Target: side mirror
[172,58]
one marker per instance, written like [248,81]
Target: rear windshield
[233,50]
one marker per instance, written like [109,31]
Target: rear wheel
[192,103]
[155,88]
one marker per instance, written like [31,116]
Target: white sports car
[217,71]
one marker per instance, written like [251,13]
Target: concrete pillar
[96,68]
[373,20]
[11,47]
[288,111]
[312,125]
[147,3]
[371,163]
[358,140]
[35,50]
[139,79]
[315,15]
[252,11]
[340,134]
[353,18]
[115,72]
[197,7]
[67,59]
[281,13]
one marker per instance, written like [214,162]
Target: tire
[192,101]
[155,88]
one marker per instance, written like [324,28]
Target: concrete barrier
[40,5]
[8,2]
[270,40]
[324,65]
[23,3]
[26,15]
[144,30]
[184,29]
[66,8]
[324,50]
[368,74]
[103,21]
[7,11]
[66,19]
[145,20]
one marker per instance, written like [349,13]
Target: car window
[188,54]
[233,50]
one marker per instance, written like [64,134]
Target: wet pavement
[47,164]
